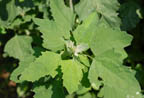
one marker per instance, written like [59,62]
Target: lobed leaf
[108,9]
[54,90]
[52,36]
[119,81]
[42,66]
[63,15]
[18,71]
[105,38]
[72,75]
[19,47]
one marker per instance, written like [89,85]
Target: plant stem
[71,4]
[88,56]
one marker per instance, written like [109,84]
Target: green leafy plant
[81,55]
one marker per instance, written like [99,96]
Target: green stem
[88,56]
[71,4]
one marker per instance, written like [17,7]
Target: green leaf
[83,33]
[43,7]
[42,66]
[108,9]
[52,36]
[24,6]
[87,95]
[128,13]
[19,47]
[53,32]
[84,59]
[101,37]
[2,30]
[22,66]
[119,81]
[105,38]
[72,75]
[80,48]
[93,78]
[63,15]
[85,85]
[70,96]
[116,58]
[54,90]
[8,12]
[84,8]
[83,90]
[113,54]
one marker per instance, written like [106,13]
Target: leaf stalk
[71,4]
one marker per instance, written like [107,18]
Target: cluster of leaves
[80,50]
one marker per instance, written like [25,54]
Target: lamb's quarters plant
[83,53]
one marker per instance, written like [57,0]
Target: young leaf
[81,48]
